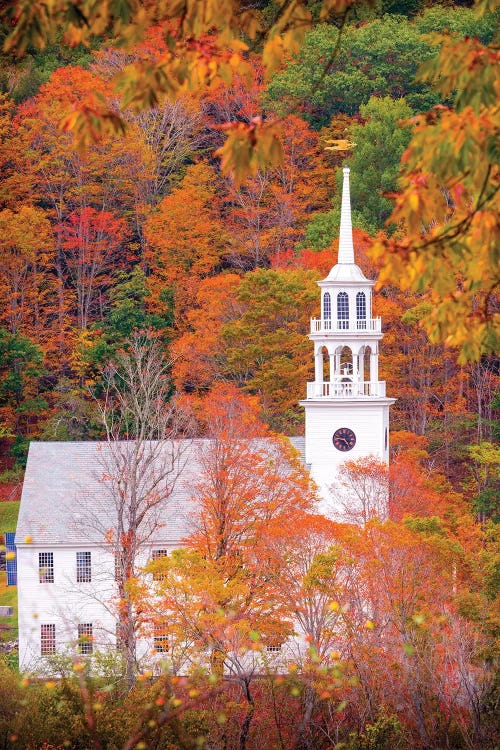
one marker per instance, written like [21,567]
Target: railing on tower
[326,325]
[349,389]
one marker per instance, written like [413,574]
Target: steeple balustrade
[339,389]
[327,325]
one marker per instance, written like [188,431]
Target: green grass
[8,515]
[8,598]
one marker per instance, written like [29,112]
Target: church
[65,569]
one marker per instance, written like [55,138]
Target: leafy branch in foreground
[448,206]
[203,43]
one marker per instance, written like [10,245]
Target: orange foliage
[26,287]
[186,237]
[268,213]
[249,479]
[325,259]
[251,334]
[197,353]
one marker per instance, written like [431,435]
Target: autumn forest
[180,219]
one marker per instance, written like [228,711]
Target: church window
[46,567]
[361,309]
[155,555]
[273,648]
[343,310]
[118,567]
[85,638]
[83,567]
[160,637]
[118,635]
[47,639]
[327,309]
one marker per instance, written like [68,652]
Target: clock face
[344,439]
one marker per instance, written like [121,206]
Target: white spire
[346,248]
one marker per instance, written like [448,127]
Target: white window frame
[47,638]
[156,554]
[274,648]
[85,638]
[361,310]
[160,637]
[84,567]
[343,310]
[46,567]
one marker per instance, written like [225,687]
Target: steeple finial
[346,248]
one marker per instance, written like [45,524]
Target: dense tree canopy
[170,174]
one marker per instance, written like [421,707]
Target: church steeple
[346,247]
[347,411]
[346,269]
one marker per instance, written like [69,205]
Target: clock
[344,439]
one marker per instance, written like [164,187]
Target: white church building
[65,576]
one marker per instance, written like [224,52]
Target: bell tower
[346,409]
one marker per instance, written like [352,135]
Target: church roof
[67,501]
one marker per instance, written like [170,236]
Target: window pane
[159,553]
[274,649]
[46,567]
[47,639]
[343,310]
[85,638]
[361,309]
[83,567]
[118,567]
[327,305]
[160,637]
[155,555]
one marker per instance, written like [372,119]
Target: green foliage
[54,714]
[324,228]
[379,58]
[432,526]
[495,405]
[128,311]
[21,370]
[22,79]
[73,415]
[380,143]
[461,21]
[485,459]
[447,202]
[20,363]
[256,358]
[128,314]
[385,734]
[8,509]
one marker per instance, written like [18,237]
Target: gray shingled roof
[66,496]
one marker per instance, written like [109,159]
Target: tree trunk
[303,739]
[245,728]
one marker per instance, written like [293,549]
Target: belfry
[346,409]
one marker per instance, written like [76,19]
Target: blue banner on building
[11,564]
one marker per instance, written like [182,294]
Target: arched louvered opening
[343,363]
[343,310]
[361,310]
[364,363]
[326,364]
